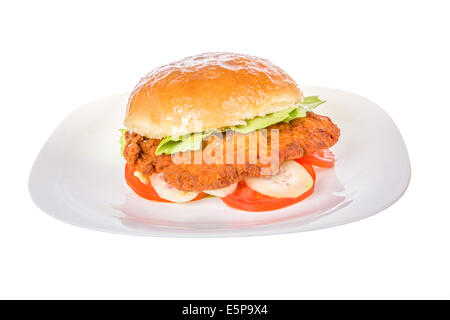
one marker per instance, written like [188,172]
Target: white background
[58,55]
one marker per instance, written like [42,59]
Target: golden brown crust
[208,91]
[297,138]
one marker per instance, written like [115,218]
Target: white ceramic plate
[78,177]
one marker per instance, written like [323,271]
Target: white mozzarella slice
[222,192]
[166,191]
[291,181]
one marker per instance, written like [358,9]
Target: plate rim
[248,231]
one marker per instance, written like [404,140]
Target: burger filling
[298,134]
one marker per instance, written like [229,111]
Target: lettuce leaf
[299,112]
[193,141]
[311,102]
[265,121]
[286,115]
[122,140]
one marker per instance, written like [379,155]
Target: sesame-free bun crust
[208,91]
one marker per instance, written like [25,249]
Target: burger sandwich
[224,125]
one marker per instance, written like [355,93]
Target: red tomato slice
[245,198]
[146,191]
[322,158]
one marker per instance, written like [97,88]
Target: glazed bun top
[208,91]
